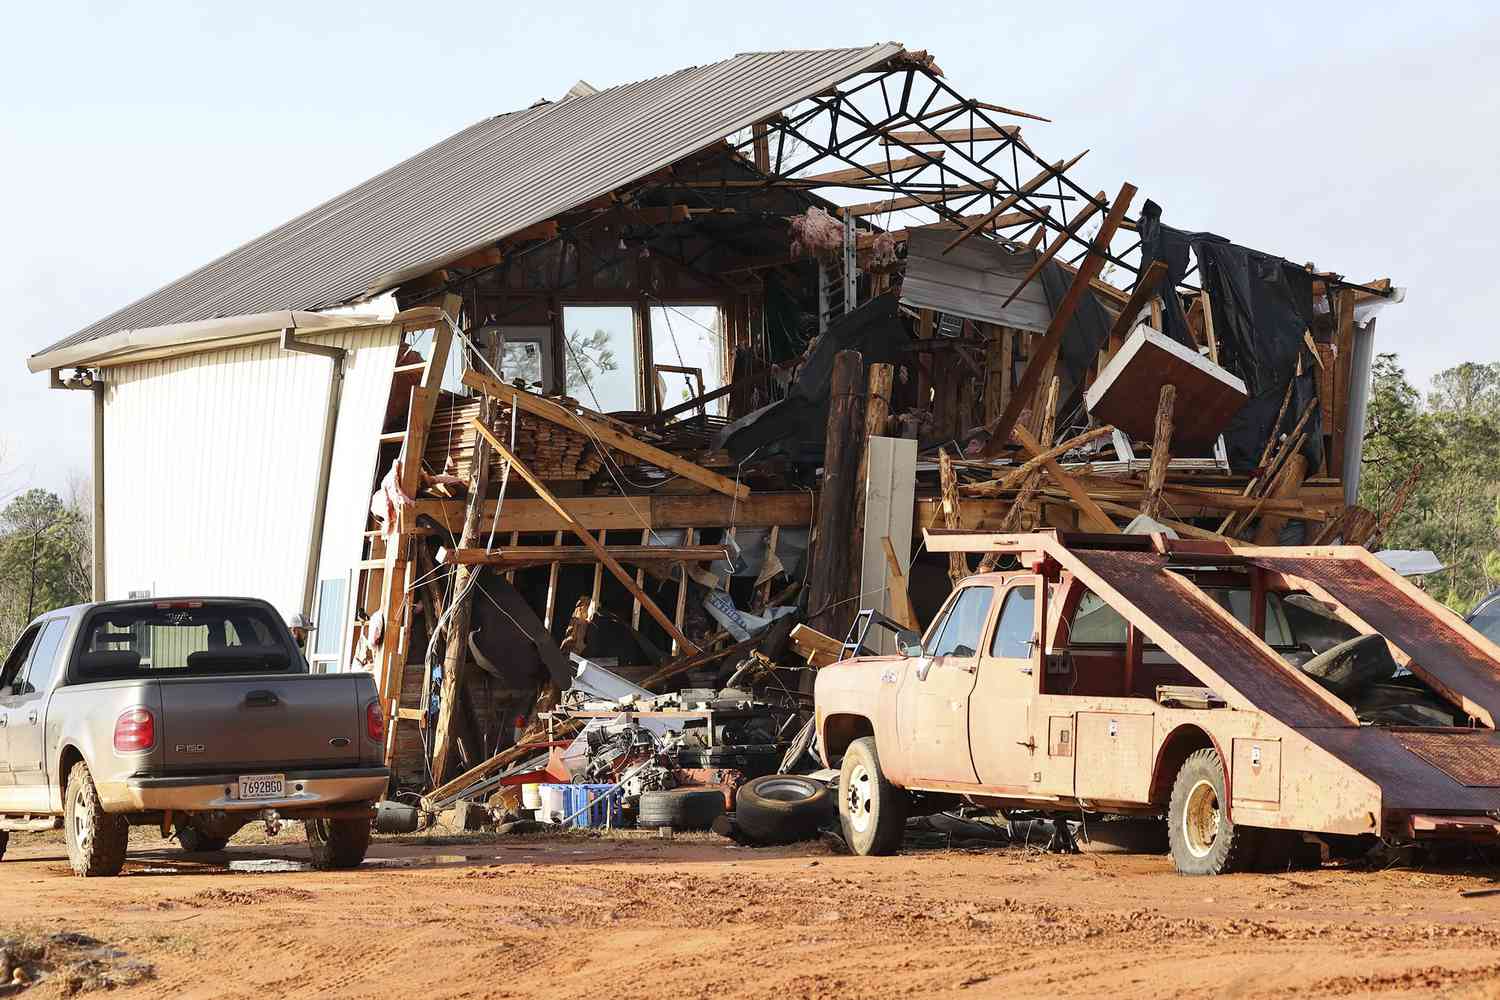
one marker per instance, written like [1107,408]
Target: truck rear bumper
[204,792]
[1426,826]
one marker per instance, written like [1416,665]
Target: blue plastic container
[594,805]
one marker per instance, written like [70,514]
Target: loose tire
[872,811]
[96,839]
[337,843]
[680,808]
[193,840]
[782,809]
[1204,840]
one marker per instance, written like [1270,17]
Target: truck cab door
[15,666]
[933,707]
[26,707]
[1001,707]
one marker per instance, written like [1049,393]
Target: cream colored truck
[1252,696]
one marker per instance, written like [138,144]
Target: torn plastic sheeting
[791,550]
[592,679]
[1411,562]
[741,624]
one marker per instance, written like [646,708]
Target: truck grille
[1471,759]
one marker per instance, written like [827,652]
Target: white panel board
[890,497]
[211,465]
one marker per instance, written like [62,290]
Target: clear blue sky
[140,141]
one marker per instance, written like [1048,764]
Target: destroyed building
[629,373]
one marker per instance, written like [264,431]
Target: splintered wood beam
[926,137]
[652,215]
[1044,350]
[862,174]
[895,578]
[602,432]
[867,240]
[1091,511]
[525,555]
[918,200]
[587,538]
[1068,233]
[997,108]
[1161,451]
[1058,168]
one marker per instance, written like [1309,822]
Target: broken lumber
[816,648]
[864,173]
[1091,511]
[958,563]
[1044,351]
[926,137]
[519,556]
[1060,167]
[1161,452]
[895,581]
[585,536]
[919,200]
[830,567]
[603,433]
[1068,233]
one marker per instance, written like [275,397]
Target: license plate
[262,786]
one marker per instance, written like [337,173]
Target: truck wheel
[194,840]
[96,839]
[781,808]
[872,811]
[1204,841]
[337,843]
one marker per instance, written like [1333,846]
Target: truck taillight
[135,730]
[374,722]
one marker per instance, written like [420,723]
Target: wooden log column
[832,553]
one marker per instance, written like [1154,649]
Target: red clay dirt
[575,916]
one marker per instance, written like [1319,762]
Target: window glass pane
[602,365]
[213,639]
[1096,623]
[1017,624]
[44,658]
[965,623]
[18,653]
[522,359]
[1237,602]
[689,337]
[1487,620]
[330,618]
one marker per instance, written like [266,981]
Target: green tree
[44,561]
[589,357]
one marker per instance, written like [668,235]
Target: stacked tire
[782,809]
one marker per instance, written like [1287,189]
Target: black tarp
[795,426]
[1262,306]
[1088,329]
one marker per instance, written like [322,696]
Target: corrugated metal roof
[491,179]
[973,281]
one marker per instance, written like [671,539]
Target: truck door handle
[31,717]
[261,699]
[4,720]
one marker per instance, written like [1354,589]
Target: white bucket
[531,795]
[553,803]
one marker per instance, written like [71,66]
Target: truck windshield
[181,638]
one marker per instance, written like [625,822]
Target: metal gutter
[338,356]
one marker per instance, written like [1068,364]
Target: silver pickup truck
[197,715]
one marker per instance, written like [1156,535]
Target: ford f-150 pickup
[1264,700]
[197,715]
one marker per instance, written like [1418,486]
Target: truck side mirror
[910,643]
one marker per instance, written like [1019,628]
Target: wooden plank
[1098,520]
[1045,350]
[584,536]
[1208,327]
[414,439]
[553,572]
[604,433]
[919,200]
[1060,167]
[927,137]
[895,582]
[1144,292]
[701,510]
[863,173]
[525,555]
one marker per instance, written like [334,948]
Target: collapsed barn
[652,375]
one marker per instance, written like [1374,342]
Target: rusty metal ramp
[1444,652]
[1470,758]
[1184,621]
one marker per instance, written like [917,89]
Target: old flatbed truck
[1257,697]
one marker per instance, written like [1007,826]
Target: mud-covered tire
[337,843]
[872,811]
[96,839]
[680,808]
[1204,840]
[782,809]
[193,840]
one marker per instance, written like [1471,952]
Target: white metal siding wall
[211,465]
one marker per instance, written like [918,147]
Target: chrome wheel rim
[1201,817]
[83,824]
[859,798]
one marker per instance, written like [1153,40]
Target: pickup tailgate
[261,722]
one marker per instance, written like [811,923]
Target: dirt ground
[573,916]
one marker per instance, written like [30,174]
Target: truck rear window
[179,639]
